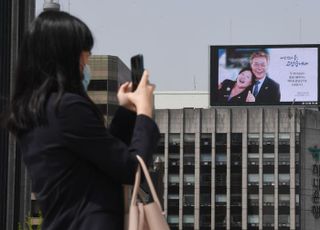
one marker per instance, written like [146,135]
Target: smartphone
[137,69]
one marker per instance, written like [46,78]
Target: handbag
[141,215]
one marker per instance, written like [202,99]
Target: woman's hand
[142,97]
[122,95]
[250,97]
[141,100]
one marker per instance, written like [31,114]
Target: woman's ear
[84,57]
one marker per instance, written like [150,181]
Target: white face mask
[86,77]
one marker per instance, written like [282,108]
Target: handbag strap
[136,186]
[149,181]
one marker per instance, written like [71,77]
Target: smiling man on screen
[264,90]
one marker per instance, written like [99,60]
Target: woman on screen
[236,91]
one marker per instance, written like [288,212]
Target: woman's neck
[236,90]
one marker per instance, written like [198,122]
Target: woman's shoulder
[67,98]
[66,102]
[73,98]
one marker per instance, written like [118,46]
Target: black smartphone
[137,69]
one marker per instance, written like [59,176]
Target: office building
[103,87]
[240,167]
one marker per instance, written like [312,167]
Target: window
[284,220]
[268,158]
[284,179]
[205,199]
[284,158]
[188,179]
[253,199]
[174,159]
[253,139]
[284,142]
[268,220]
[205,157]
[253,158]
[268,199]
[173,219]
[188,219]
[253,179]
[174,179]
[205,143]
[221,179]
[235,199]
[268,143]
[189,143]
[253,219]
[188,200]
[174,143]
[221,139]
[284,200]
[236,220]
[268,179]
[173,200]
[205,179]
[221,158]
[221,198]
[205,220]
[268,138]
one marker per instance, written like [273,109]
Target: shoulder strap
[149,181]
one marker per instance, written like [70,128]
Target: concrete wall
[310,138]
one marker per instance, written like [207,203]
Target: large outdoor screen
[264,75]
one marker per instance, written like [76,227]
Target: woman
[77,166]
[236,91]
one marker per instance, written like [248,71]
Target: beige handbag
[142,216]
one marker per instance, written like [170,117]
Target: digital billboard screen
[264,75]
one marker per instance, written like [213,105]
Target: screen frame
[214,73]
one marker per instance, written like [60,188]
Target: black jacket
[225,91]
[78,167]
[269,92]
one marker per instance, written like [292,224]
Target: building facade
[240,168]
[104,84]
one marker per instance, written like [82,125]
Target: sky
[175,35]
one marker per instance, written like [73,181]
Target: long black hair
[49,61]
[248,68]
